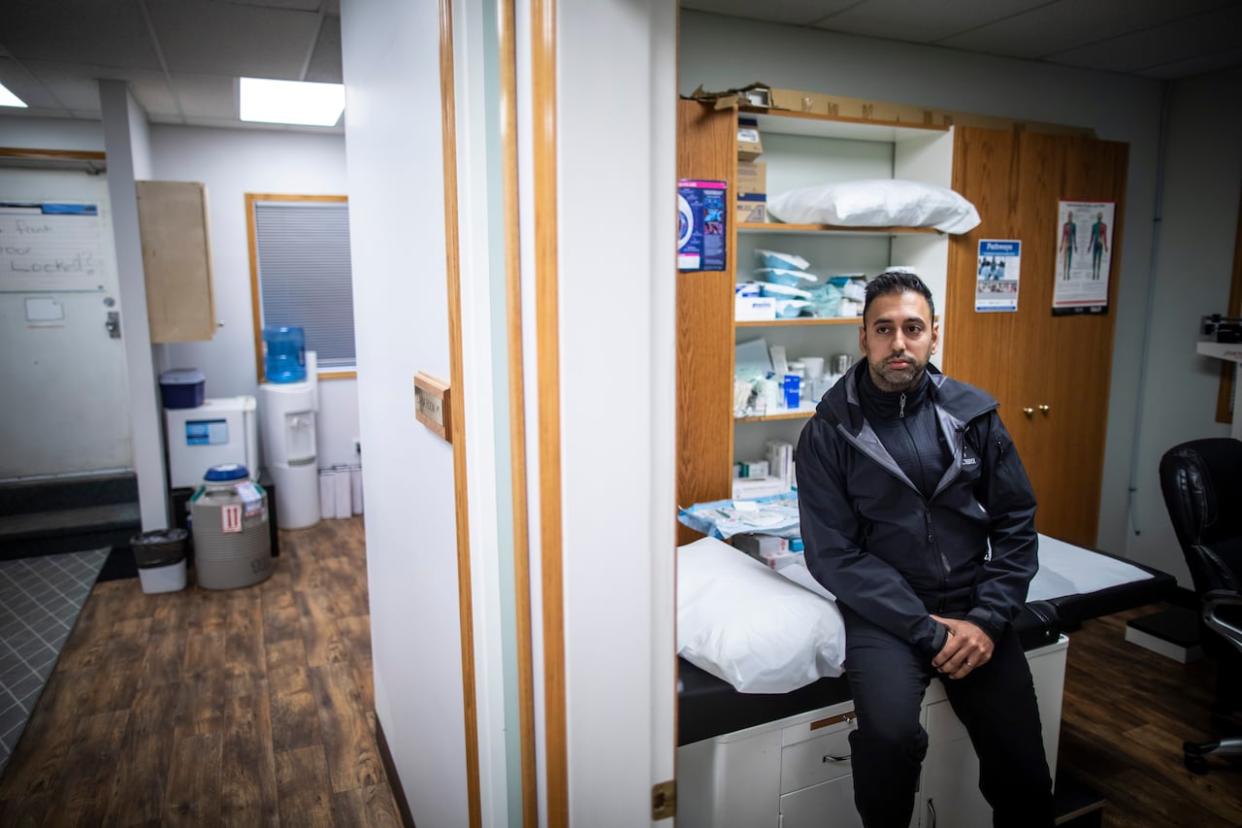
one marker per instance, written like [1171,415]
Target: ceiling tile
[233,123]
[1189,37]
[77,85]
[1071,23]
[37,112]
[299,5]
[154,96]
[226,39]
[25,86]
[207,96]
[921,21]
[801,12]
[325,64]
[1196,65]
[79,31]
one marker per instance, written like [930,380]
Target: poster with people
[1084,254]
[996,284]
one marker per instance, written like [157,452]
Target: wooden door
[1050,374]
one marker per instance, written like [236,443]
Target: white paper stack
[780,461]
[327,493]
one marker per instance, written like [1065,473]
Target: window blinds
[304,274]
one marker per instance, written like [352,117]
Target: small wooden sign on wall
[432,405]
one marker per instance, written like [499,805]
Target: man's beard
[888,379]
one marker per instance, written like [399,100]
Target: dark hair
[898,281]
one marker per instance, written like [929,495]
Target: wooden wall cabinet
[176,256]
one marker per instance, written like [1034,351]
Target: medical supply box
[218,431]
[752,178]
[749,144]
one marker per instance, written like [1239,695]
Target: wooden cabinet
[176,257]
[799,150]
[1050,373]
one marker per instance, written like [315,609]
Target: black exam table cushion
[708,706]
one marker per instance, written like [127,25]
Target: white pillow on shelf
[877,202]
[747,625]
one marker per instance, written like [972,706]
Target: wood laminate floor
[247,707]
[254,707]
[1127,712]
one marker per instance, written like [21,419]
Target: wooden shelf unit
[831,229]
[798,414]
[812,124]
[803,148]
[800,322]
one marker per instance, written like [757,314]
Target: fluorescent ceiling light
[291,102]
[7,98]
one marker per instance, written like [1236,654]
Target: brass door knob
[1044,409]
[1030,412]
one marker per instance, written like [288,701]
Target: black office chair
[1202,485]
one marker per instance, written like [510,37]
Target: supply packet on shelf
[773,515]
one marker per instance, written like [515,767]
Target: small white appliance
[288,412]
[219,431]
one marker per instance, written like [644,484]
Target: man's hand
[967,648]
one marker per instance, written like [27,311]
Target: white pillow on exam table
[878,202]
[743,623]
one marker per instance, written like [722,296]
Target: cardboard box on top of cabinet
[838,106]
[761,96]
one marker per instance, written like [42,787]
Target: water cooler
[287,413]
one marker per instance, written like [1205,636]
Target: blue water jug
[285,357]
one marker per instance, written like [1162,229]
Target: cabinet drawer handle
[1045,409]
[1030,412]
[827,757]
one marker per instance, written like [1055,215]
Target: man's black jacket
[893,556]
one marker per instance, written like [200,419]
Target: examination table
[747,760]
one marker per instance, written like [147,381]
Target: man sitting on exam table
[904,476]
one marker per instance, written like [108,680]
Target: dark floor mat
[40,599]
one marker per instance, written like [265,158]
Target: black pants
[996,703]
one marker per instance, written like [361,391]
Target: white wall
[721,52]
[232,163]
[1193,266]
[391,67]
[127,143]
[52,133]
[617,320]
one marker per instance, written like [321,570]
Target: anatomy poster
[1083,255]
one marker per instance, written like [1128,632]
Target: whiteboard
[51,246]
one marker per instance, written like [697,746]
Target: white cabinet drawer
[816,760]
[827,805]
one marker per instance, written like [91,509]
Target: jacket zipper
[901,412]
